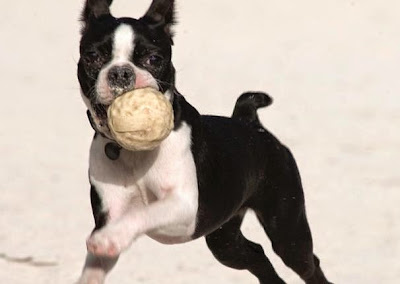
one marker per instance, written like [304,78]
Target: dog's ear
[94,9]
[161,14]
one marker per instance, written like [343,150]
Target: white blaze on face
[123,49]
[123,46]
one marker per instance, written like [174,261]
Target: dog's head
[118,55]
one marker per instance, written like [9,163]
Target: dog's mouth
[99,119]
[101,111]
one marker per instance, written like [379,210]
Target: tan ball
[141,119]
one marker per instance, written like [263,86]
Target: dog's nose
[121,77]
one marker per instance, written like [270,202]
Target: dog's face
[121,54]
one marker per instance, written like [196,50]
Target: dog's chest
[165,170]
[139,179]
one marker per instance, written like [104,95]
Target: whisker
[159,82]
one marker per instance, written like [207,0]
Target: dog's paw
[91,278]
[109,241]
[89,281]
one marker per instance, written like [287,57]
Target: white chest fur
[163,179]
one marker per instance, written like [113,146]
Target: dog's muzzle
[121,79]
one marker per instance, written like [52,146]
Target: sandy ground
[332,68]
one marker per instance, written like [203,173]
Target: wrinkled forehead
[115,32]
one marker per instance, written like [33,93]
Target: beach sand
[332,68]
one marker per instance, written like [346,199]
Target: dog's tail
[247,105]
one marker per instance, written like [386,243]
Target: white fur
[123,48]
[123,45]
[169,95]
[153,193]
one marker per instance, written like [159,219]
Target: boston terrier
[203,177]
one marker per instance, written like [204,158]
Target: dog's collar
[112,149]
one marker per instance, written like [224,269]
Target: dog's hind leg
[232,249]
[286,225]
[294,245]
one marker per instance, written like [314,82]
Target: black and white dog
[202,179]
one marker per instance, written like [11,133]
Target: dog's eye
[91,55]
[154,60]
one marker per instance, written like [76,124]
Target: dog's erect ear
[161,14]
[95,9]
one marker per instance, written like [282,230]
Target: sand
[332,68]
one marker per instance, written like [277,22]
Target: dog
[203,177]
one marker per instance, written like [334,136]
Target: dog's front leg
[107,208]
[110,195]
[96,269]
[115,237]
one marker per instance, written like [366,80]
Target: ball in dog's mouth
[140,119]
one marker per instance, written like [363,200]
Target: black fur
[232,249]
[247,105]
[240,168]
[90,118]
[100,217]
[161,14]
[94,9]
